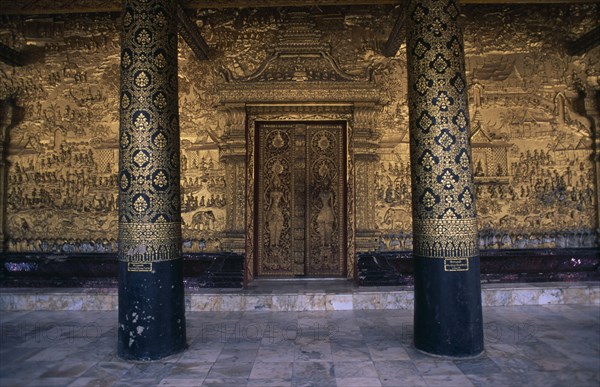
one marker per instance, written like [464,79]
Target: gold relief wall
[532,144]
[62,147]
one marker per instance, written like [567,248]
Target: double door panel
[301,199]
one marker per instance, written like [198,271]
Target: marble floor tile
[178,382]
[394,370]
[189,369]
[276,370]
[90,382]
[483,365]
[204,341]
[411,380]
[358,382]
[67,370]
[228,370]
[398,373]
[509,358]
[224,382]
[108,370]
[355,369]
[202,355]
[15,355]
[241,344]
[276,353]
[384,350]
[555,345]
[52,354]
[13,382]
[136,382]
[150,371]
[547,379]
[503,379]
[457,380]
[6,318]
[24,370]
[234,355]
[50,382]
[350,354]
[315,351]
[313,373]
[270,382]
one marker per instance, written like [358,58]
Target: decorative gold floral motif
[160,61]
[141,123]
[142,79]
[160,19]
[125,101]
[442,227]
[124,182]
[160,180]
[428,200]
[140,204]
[140,159]
[423,84]
[127,18]
[160,141]
[149,220]
[126,60]
[143,37]
[160,101]
[278,140]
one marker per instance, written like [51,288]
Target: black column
[151,299]
[448,317]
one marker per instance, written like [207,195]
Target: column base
[448,317]
[443,357]
[151,310]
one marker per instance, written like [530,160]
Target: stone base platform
[300,295]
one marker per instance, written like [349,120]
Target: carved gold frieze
[532,148]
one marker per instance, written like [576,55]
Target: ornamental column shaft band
[151,301]
[448,317]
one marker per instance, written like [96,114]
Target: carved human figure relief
[274,216]
[326,216]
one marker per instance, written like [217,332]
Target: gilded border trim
[149,242]
[445,238]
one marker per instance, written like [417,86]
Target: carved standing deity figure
[326,216]
[274,215]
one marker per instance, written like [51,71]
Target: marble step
[300,296]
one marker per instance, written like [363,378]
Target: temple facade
[294,141]
[299,139]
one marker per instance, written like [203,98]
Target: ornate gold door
[301,199]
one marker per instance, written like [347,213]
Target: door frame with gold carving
[300,196]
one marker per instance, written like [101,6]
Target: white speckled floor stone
[542,345]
